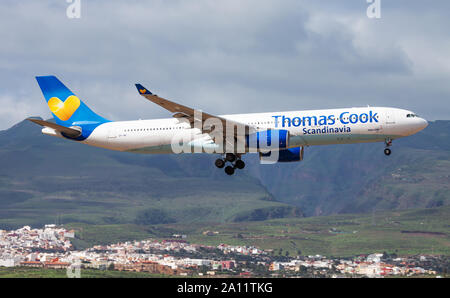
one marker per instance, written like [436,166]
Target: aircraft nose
[421,124]
[424,123]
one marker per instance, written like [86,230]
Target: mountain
[360,178]
[45,179]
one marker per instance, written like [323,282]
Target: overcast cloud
[232,56]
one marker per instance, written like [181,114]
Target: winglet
[142,90]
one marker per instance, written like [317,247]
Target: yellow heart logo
[143,91]
[64,110]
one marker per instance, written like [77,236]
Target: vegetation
[358,178]
[49,180]
[110,196]
[409,232]
[26,272]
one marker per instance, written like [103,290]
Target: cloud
[16,109]
[226,56]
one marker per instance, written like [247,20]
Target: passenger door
[390,118]
[112,134]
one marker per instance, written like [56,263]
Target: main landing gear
[235,161]
[387,151]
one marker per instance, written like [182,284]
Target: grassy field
[24,272]
[419,231]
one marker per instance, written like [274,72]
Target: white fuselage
[306,128]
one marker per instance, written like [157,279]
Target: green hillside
[407,232]
[359,178]
[45,179]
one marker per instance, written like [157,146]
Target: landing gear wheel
[229,170]
[230,157]
[220,163]
[387,151]
[240,164]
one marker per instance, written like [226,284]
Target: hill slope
[359,178]
[44,178]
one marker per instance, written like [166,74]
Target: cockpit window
[411,115]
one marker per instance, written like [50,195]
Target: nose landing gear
[234,159]
[387,151]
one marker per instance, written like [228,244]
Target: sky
[226,56]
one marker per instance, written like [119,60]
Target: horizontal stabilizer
[72,132]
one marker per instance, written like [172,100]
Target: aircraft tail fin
[66,107]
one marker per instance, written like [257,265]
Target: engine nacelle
[268,139]
[286,155]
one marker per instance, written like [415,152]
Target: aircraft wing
[184,112]
[68,131]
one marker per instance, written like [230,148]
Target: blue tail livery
[67,109]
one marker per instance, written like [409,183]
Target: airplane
[275,136]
